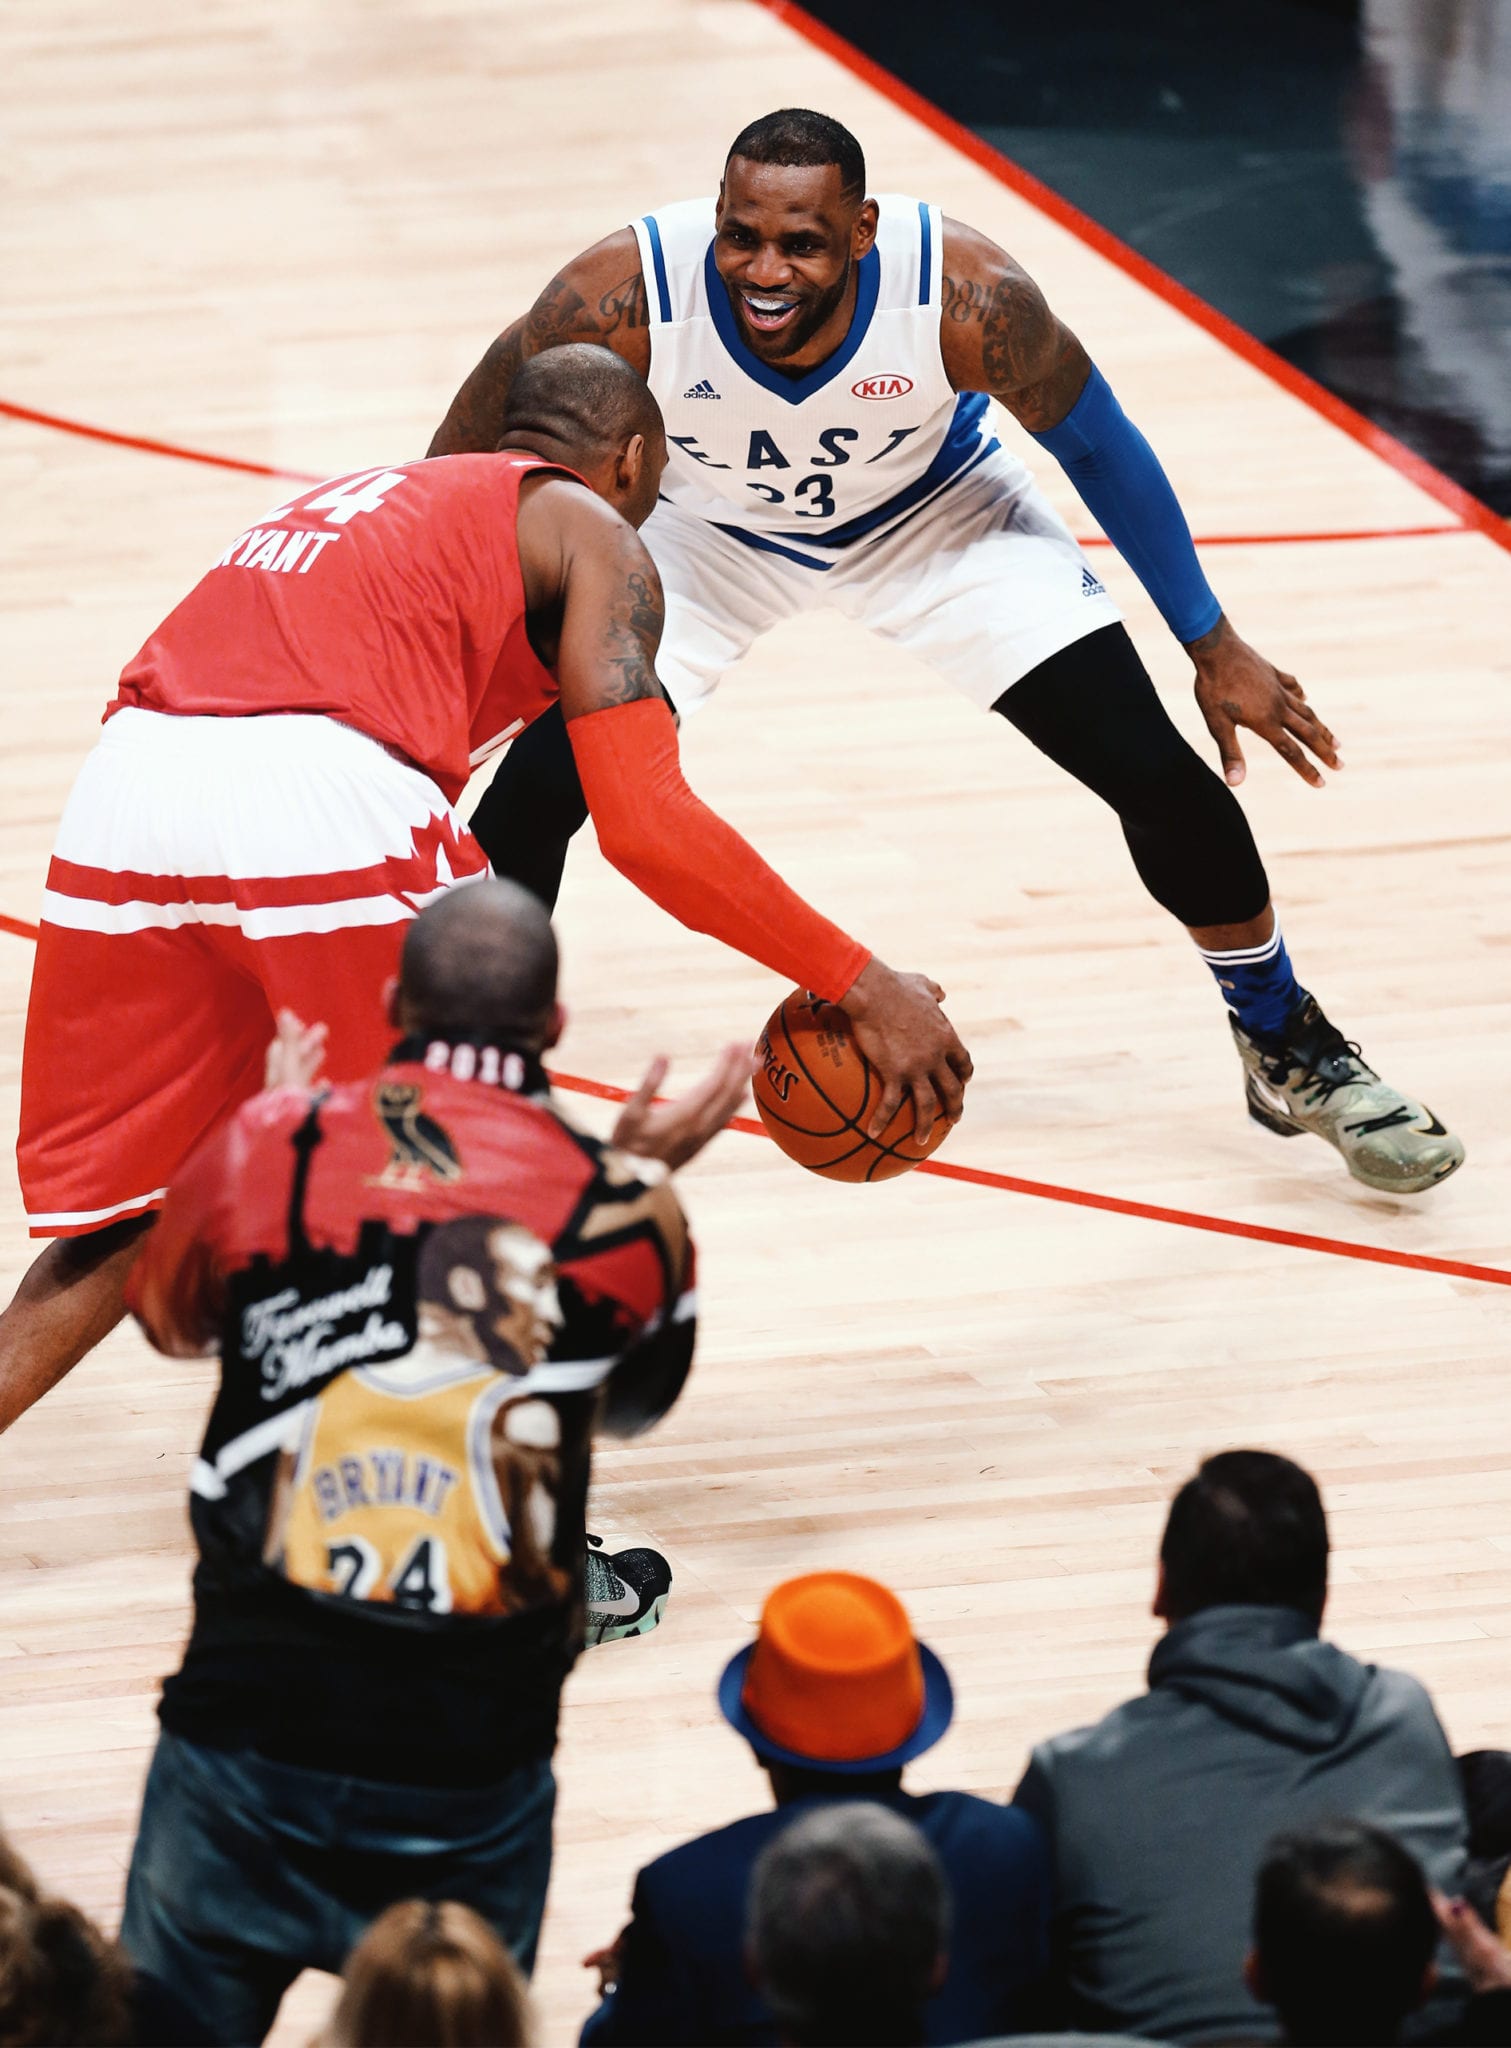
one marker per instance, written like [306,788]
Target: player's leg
[137,1041]
[720,596]
[70,1299]
[1013,614]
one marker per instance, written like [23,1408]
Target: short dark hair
[847,1920]
[1248,1531]
[796,135]
[1344,1933]
[479,965]
[587,398]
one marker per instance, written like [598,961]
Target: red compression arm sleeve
[683,855]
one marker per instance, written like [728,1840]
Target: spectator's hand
[607,1962]
[677,1131]
[296,1054]
[1486,1963]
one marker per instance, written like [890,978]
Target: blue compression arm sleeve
[1120,481]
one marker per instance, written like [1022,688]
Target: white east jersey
[803,466]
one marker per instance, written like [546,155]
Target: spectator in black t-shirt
[427,1291]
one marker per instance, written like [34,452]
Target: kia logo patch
[882,387]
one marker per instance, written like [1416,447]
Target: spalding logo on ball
[816,1092]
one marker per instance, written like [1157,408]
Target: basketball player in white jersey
[825,363]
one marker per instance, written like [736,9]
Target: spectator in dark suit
[1158,1817]
[847,1928]
[1344,1936]
[835,1696]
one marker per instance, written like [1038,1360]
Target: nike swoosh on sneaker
[1272,1097]
[626,1602]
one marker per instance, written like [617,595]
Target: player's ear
[632,460]
[863,234]
[556,1027]
[391,1002]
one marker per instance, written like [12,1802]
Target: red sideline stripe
[1283,540]
[1091,540]
[147,446]
[1421,472]
[1118,1205]
[1078,1198]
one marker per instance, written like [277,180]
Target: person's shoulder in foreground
[829,1727]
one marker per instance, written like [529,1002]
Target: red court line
[1094,540]
[1460,502]
[146,446]
[1119,1205]
[1285,540]
[1078,1198]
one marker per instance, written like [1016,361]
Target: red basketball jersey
[390,599]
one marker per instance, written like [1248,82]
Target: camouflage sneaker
[626,1591]
[1318,1082]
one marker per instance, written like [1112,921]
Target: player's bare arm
[998,334]
[576,551]
[599,296]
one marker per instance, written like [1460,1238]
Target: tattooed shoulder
[963,299]
[623,305]
[632,636]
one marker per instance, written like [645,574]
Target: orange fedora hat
[836,1680]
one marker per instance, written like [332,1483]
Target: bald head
[480,963]
[586,399]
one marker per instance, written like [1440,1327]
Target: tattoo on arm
[623,305]
[963,299]
[1029,360]
[476,417]
[632,635]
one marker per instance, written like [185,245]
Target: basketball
[816,1092]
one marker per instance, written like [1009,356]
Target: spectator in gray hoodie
[1158,1817]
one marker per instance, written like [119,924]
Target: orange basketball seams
[816,1092]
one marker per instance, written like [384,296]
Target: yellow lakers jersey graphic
[428,1485]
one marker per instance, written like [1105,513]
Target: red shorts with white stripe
[208,873]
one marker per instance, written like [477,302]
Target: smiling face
[787,239]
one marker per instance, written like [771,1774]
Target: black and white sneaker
[626,1591]
[1318,1081]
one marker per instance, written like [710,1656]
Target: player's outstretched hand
[296,1054]
[1236,686]
[677,1131]
[906,1036]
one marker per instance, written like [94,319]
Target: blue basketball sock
[1260,987]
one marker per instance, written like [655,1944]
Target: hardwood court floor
[283,236]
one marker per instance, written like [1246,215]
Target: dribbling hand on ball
[913,1046]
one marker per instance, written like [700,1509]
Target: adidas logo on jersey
[702,389]
[1091,586]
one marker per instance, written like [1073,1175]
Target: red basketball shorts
[208,873]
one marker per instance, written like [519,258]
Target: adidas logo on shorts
[702,389]
[1091,586]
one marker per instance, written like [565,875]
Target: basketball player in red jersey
[270,804]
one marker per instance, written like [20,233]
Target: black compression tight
[1091,708]
[532,807]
